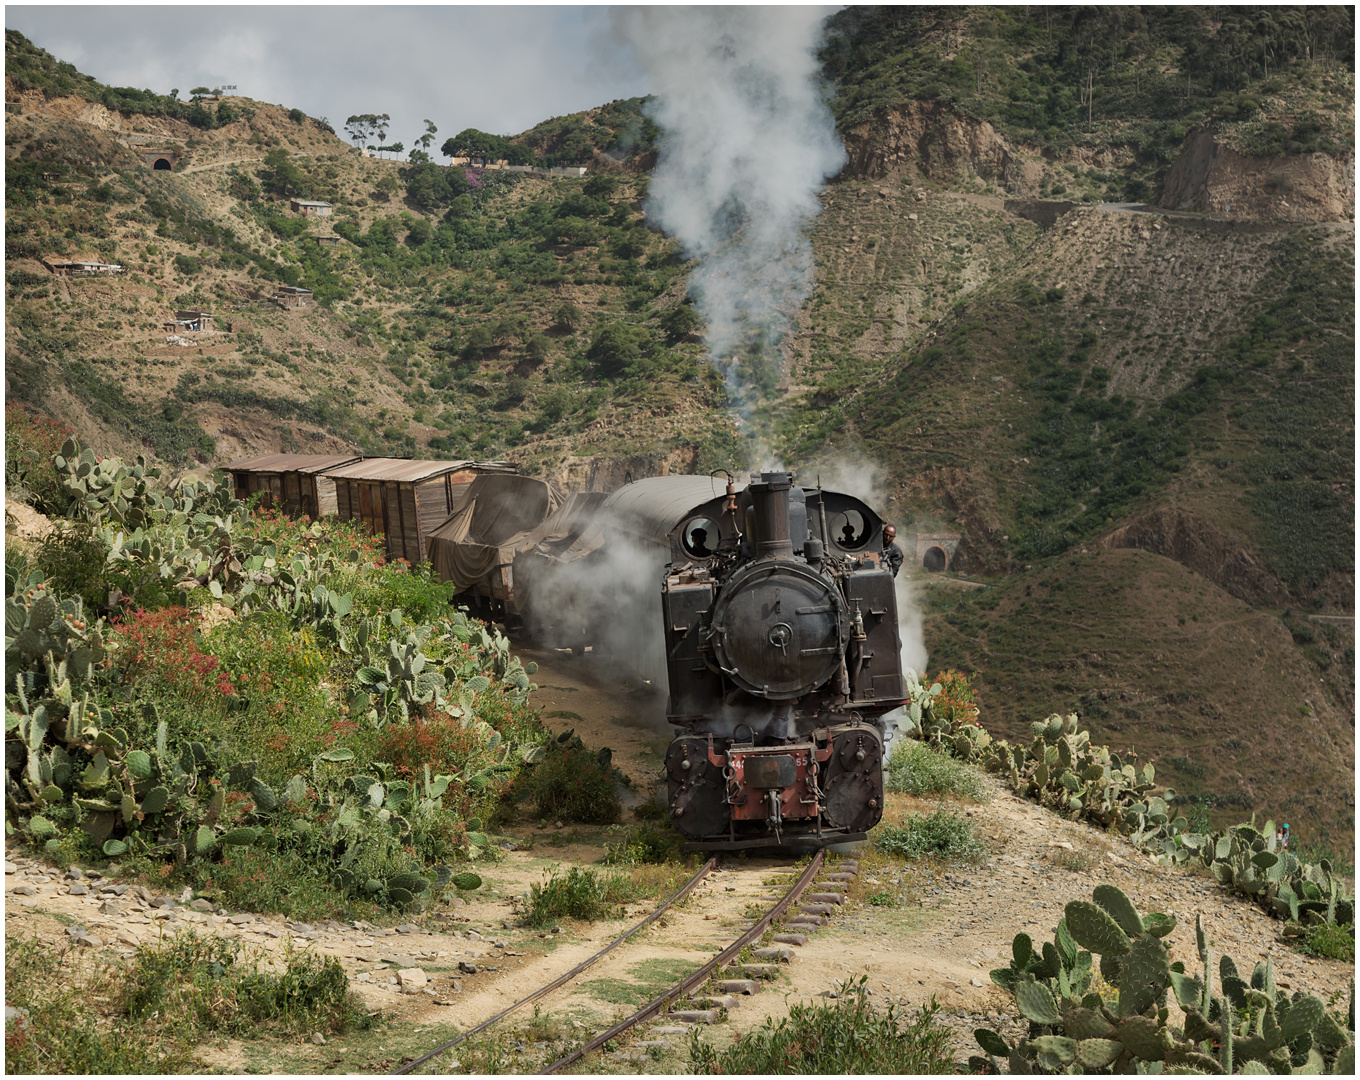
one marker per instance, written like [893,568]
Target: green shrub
[416,591]
[917,769]
[1331,941]
[651,842]
[939,835]
[578,894]
[847,1037]
[71,558]
[31,441]
[200,985]
[62,1034]
[573,784]
[294,884]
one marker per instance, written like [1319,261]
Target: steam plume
[747,141]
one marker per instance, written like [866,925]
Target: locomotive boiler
[782,655]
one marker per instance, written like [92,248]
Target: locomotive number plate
[769,770]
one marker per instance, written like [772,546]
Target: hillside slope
[1110,403]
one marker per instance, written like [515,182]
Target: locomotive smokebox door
[770,771]
[779,630]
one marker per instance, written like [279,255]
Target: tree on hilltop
[428,137]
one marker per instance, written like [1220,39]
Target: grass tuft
[846,1037]
[942,834]
[916,769]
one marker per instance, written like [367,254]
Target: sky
[498,68]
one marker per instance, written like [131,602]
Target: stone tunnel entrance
[161,164]
[934,560]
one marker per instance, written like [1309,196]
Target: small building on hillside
[309,208]
[404,500]
[327,241]
[188,320]
[292,296]
[78,267]
[292,482]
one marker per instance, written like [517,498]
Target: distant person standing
[892,554]
[1284,843]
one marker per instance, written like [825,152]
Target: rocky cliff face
[1203,548]
[941,144]
[1210,178]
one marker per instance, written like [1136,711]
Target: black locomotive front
[782,654]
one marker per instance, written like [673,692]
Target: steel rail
[685,985]
[679,895]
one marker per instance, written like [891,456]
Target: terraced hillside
[1140,423]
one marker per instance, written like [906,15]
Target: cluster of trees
[479,144]
[1041,71]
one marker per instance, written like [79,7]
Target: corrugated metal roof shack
[292,482]
[405,500]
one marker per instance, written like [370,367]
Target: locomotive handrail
[679,895]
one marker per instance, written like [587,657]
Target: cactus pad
[1084,1023]
[1145,1038]
[412,883]
[1303,1016]
[1095,1054]
[1143,975]
[991,1042]
[1092,928]
[1158,924]
[1036,1003]
[1115,901]
[466,881]
[1054,1051]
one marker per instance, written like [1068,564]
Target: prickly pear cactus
[1250,1027]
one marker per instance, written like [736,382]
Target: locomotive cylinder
[770,513]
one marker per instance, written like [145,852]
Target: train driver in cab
[892,554]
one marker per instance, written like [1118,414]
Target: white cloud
[498,68]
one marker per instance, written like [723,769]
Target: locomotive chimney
[770,513]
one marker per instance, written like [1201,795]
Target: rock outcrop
[1203,548]
[939,143]
[1209,177]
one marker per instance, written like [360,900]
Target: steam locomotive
[782,655]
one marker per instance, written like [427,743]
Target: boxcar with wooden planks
[404,500]
[291,482]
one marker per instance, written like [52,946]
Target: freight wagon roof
[303,463]
[653,506]
[403,470]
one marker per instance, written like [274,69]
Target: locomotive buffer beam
[792,843]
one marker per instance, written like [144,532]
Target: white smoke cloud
[609,601]
[747,141]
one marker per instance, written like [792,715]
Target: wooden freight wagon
[404,500]
[291,482]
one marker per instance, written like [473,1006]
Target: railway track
[810,915]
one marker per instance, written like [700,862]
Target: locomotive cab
[782,652]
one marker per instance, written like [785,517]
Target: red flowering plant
[957,701]
[159,652]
